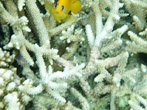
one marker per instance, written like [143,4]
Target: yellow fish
[62,8]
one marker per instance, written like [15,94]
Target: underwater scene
[73,54]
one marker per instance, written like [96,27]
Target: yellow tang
[63,7]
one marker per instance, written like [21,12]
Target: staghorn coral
[88,62]
[137,9]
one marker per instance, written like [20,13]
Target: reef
[95,59]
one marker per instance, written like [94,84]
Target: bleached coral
[137,44]
[137,9]
[136,106]
[10,97]
[87,62]
[5,58]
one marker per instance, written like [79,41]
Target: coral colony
[90,60]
